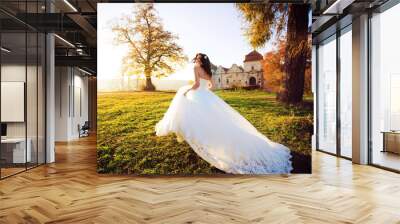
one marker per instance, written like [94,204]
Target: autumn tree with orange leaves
[273,67]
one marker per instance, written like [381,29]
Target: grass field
[126,141]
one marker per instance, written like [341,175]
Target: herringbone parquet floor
[70,191]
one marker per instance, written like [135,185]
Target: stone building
[250,75]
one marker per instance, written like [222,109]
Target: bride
[217,132]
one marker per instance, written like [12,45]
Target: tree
[153,51]
[268,20]
[273,68]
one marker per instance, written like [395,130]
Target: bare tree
[153,51]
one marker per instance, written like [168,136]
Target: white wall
[71,102]
[62,82]
[256,64]
[12,73]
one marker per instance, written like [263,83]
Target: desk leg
[384,142]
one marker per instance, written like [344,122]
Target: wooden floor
[387,159]
[10,171]
[70,191]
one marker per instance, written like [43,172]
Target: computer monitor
[3,129]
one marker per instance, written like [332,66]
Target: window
[346,92]
[385,89]
[327,95]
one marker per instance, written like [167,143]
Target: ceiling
[75,23]
[332,15]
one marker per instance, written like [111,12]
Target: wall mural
[204,89]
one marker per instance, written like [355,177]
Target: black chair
[84,130]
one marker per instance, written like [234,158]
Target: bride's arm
[196,82]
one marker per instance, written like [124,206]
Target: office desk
[13,150]
[391,141]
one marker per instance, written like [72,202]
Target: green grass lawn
[126,142]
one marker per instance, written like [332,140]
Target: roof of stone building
[253,56]
[238,66]
[225,69]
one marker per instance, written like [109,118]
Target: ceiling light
[337,7]
[5,50]
[70,5]
[79,51]
[84,71]
[64,40]
[331,7]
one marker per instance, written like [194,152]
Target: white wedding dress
[220,135]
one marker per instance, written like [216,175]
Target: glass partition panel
[22,66]
[31,98]
[41,85]
[14,153]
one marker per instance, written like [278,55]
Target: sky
[213,29]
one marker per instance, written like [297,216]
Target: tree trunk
[295,55]
[149,85]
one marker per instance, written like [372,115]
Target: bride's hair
[205,63]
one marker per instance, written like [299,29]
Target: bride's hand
[184,94]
